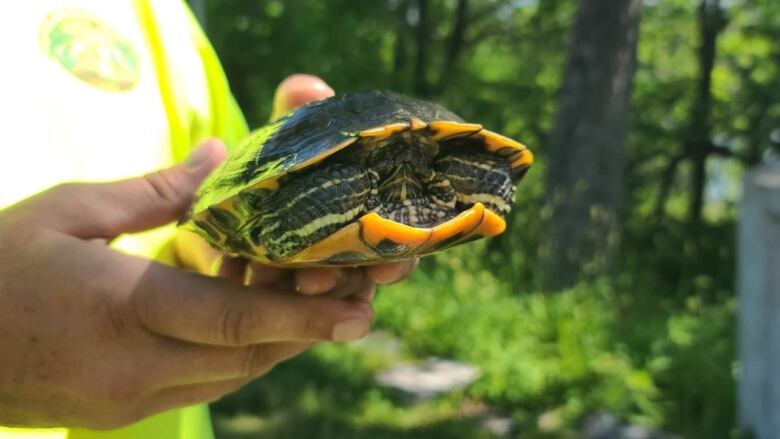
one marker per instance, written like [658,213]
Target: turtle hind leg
[479,178]
[310,206]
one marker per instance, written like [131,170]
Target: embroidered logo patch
[89,49]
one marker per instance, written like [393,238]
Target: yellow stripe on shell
[384,131]
[494,142]
[444,129]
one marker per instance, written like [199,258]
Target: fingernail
[350,330]
[197,157]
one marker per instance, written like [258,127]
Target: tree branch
[454,45]
[711,22]
[666,185]
[400,49]
[421,86]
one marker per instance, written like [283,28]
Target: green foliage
[595,347]
[547,361]
[537,352]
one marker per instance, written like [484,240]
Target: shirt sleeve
[196,96]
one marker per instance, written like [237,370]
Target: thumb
[139,203]
[298,90]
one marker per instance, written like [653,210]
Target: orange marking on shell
[494,142]
[526,159]
[443,129]
[346,239]
[466,220]
[385,130]
[492,224]
[477,221]
[377,229]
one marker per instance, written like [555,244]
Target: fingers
[349,283]
[194,308]
[272,278]
[337,282]
[312,281]
[386,274]
[298,90]
[366,292]
[106,210]
[230,267]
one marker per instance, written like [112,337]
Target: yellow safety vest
[96,90]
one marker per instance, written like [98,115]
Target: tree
[587,143]
[697,144]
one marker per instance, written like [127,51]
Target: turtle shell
[303,139]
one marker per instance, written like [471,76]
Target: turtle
[359,179]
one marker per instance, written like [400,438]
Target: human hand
[95,338]
[195,254]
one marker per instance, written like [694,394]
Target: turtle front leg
[479,178]
[309,206]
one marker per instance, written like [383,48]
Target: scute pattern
[309,132]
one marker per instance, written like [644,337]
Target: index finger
[195,308]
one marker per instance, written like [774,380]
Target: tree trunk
[454,45]
[400,49]
[421,86]
[587,143]
[699,130]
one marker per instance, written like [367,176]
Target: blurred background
[610,301]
